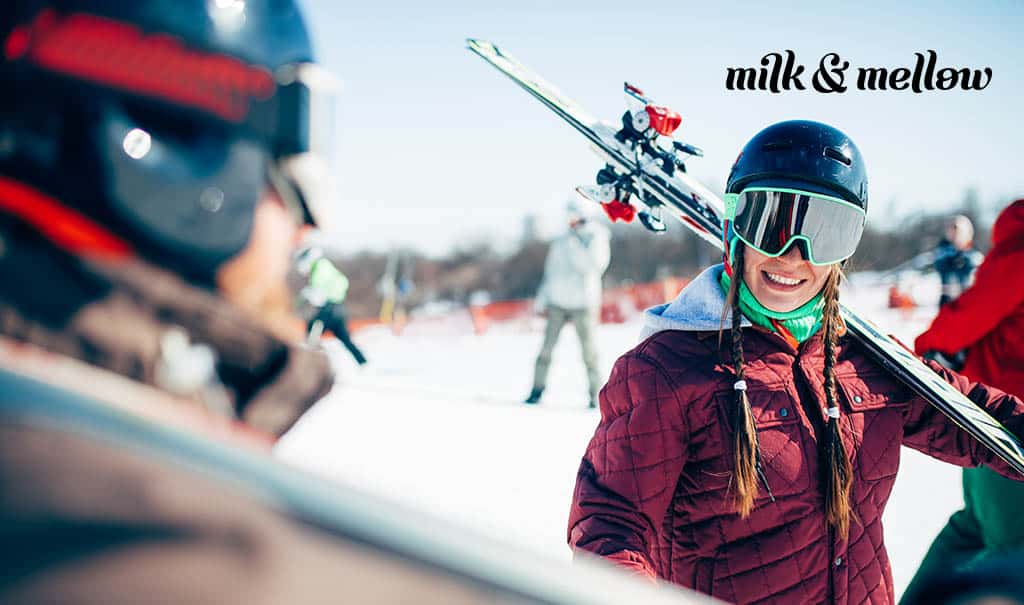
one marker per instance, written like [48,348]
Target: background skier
[955,258]
[570,291]
[987,321]
[321,289]
[754,463]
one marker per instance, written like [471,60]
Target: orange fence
[617,305]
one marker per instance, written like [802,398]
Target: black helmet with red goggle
[159,125]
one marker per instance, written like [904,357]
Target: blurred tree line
[638,256]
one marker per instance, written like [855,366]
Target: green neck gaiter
[802,322]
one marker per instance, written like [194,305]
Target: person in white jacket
[571,292]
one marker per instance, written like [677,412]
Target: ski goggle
[771,220]
[297,124]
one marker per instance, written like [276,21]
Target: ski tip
[476,44]
[485,49]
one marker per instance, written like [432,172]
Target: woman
[753,463]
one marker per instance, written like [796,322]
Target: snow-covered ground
[435,421]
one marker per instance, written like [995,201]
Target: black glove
[952,362]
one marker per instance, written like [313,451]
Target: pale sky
[436,147]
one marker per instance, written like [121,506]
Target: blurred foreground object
[99,504]
[148,207]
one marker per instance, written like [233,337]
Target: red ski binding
[617,210]
[664,121]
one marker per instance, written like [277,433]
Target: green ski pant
[990,523]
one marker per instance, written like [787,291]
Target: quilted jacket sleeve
[928,430]
[628,475]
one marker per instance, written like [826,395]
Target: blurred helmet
[156,127]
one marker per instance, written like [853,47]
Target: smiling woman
[746,448]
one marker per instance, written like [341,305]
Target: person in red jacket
[746,448]
[987,322]
[988,318]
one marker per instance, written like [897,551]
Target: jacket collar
[698,308]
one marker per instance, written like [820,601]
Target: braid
[745,434]
[835,462]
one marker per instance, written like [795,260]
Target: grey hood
[697,308]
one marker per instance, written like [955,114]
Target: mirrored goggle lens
[771,220]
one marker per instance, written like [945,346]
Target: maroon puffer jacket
[653,488]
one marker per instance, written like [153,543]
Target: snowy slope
[435,422]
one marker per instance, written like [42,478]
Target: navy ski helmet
[157,126]
[804,155]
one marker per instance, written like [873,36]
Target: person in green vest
[322,289]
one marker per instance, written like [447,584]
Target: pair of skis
[642,162]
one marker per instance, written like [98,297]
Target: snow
[435,421]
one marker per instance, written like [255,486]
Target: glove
[951,362]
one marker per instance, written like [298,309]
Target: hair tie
[832,412]
[740,385]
